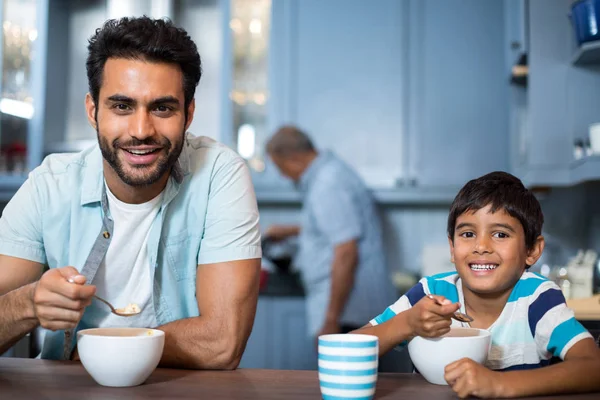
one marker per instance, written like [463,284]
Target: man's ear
[90,110]
[451,244]
[190,113]
[535,252]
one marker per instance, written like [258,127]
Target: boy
[494,232]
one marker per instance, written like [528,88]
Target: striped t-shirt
[534,325]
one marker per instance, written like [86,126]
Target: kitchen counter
[66,380]
[587,309]
[279,284]
[279,338]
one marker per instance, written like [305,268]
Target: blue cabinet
[413,93]
[458,114]
[562,100]
[279,338]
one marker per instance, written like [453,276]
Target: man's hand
[329,327]
[58,303]
[281,232]
[468,378]
[429,319]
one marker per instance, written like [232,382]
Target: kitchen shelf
[587,54]
[585,169]
[410,196]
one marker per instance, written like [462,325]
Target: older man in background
[340,251]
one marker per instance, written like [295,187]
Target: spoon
[129,311]
[461,317]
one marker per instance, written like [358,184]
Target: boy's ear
[451,249]
[536,250]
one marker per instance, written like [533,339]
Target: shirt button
[106,234]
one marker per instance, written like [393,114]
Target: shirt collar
[93,175]
[309,174]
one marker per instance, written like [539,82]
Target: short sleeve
[231,229]
[552,323]
[21,225]
[416,293]
[336,213]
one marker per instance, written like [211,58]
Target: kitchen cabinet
[459,91]
[413,94]
[279,338]
[562,100]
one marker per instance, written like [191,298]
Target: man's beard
[155,172]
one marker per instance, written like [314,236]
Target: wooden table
[40,379]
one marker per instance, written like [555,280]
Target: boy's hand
[429,319]
[468,378]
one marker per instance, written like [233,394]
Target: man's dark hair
[143,38]
[500,190]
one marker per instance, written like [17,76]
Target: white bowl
[120,357]
[431,356]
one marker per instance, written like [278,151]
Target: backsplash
[572,222]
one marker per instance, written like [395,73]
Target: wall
[572,222]
[406,230]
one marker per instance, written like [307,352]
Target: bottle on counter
[562,280]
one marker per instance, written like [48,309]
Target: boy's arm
[390,333]
[580,372]
[426,318]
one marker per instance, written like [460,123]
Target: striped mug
[348,366]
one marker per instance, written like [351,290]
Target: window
[16,102]
[250,26]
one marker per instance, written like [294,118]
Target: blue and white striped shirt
[534,325]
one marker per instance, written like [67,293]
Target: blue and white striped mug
[348,366]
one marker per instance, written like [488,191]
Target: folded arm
[227,294]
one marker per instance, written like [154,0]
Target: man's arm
[227,294]
[343,268]
[281,232]
[17,316]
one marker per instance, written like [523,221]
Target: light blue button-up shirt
[337,208]
[208,215]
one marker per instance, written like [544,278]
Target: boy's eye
[500,235]
[467,234]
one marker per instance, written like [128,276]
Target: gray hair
[289,140]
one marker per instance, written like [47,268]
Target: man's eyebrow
[120,98]
[165,100]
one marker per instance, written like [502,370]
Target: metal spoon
[117,311]
[461,317]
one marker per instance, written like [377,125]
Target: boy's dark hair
[143,38]
[501,190]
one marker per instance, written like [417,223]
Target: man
[150,216]
[340,254]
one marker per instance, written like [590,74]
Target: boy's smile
[489,251]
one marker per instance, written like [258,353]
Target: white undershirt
[124,274]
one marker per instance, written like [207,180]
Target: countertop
[587,309]
[66,380]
